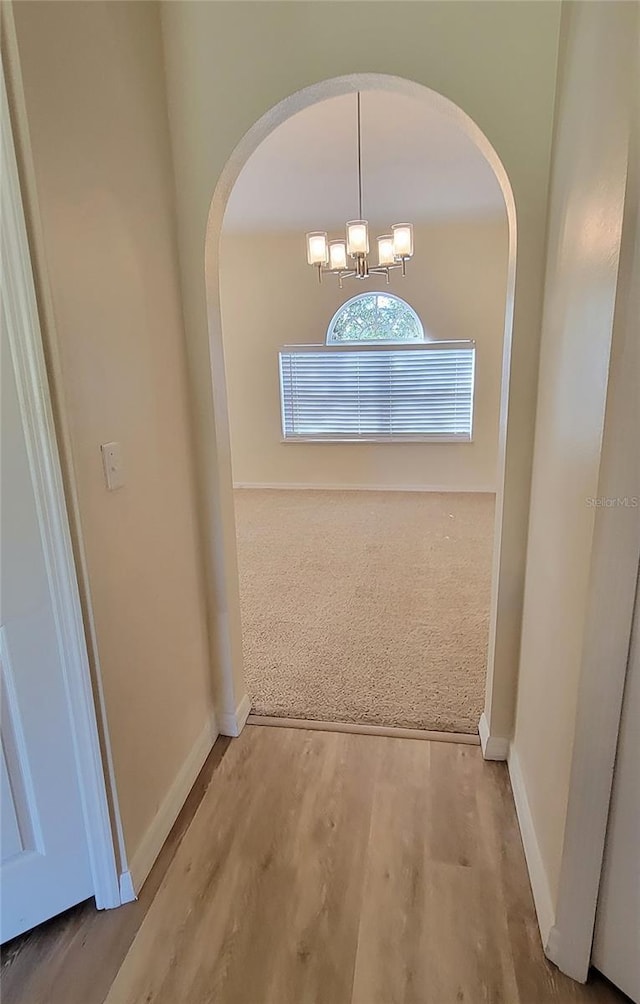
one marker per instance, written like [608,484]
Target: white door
[44,863]
[44,859]
[616,947]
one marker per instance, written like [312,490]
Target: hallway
[323,868]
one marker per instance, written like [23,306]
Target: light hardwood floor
[325,868]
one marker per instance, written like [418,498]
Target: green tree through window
[375,317]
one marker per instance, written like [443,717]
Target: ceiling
[418,166]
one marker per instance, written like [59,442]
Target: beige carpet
[367,607]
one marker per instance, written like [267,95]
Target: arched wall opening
[231,689]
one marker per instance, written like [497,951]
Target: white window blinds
[370,392]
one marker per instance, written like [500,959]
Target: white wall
[586,212]
[270,297]
[96,114]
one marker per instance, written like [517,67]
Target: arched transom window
[375,317]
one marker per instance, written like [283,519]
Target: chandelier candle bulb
[402,240]
[357,237]
[317,251]
[337,255]
[386,254]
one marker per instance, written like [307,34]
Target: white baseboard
[493,747]
[233,724]
[147,851]
[537,873]
[486,489]
[127,892]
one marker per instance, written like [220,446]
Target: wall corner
[493,747]
[232,724]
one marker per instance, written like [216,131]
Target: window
[376,378]
[375,317]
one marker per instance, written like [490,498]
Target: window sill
[377,439]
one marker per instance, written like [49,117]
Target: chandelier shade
[317,248]
[386,254]
[337,256]
[402,240]
[357,237]
[394,249]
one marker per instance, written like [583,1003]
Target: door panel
[10,835]
[19,813]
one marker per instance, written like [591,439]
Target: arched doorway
[226,567]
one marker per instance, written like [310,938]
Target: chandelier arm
[380,270]
[342,274]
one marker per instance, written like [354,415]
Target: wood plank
[391,964]
[320,929]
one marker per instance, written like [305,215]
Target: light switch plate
[113,467]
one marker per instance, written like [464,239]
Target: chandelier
[394,249]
